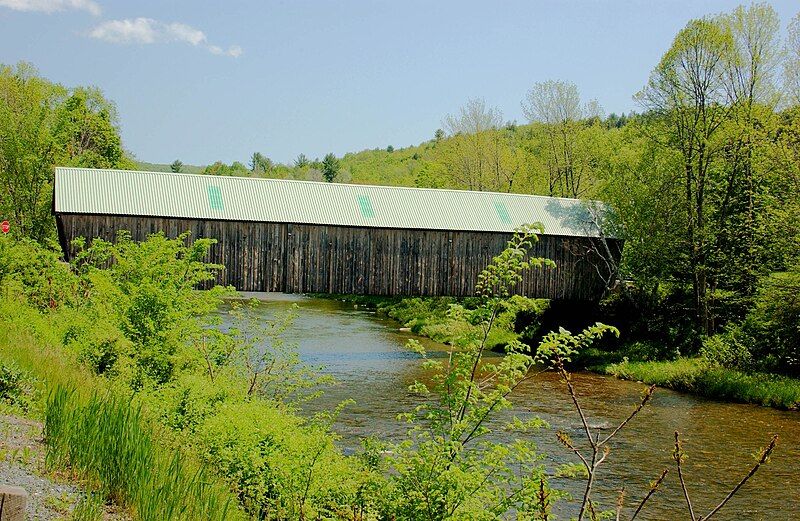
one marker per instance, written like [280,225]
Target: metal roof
[191,196]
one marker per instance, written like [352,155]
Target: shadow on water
[366,355]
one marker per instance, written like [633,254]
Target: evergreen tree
[330,167]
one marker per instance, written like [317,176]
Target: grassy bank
[694,375]
[448,319]
[99,435]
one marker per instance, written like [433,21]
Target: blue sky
[203,80]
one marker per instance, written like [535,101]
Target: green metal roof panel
[123,192]
[366,206]
[215,198]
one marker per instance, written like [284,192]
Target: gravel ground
[22,465]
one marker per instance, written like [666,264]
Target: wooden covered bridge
[309,237]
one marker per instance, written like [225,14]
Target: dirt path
[22,465]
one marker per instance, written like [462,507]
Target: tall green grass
[105,441]
[698,377]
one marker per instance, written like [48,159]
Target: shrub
[16,387]
[95,341]
[773,325]
[149,288]
[281,466]
[729,349]
[448,467]
[184,404]
[448,320]
[661,315]
[37,274]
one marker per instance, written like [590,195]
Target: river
[365,353]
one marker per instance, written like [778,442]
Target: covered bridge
[310,237]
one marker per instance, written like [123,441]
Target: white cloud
[185,33]
[234,50]
[52,6]
[137,30]
[147,30]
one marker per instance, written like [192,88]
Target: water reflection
[366,355]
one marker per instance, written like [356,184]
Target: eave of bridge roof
[190,196]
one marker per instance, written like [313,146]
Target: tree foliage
[42,125]
[330,167]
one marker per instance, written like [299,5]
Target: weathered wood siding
[303,258]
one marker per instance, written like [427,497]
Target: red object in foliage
[5,226]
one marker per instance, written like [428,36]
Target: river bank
[428,317]
[696,376]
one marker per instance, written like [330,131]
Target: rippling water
[366,355]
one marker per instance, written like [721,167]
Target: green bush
[95,340]
[773,325]
[729,349]
[184,404]
[659,315]
[36,274]
[149,290]
[16,386]
[449,320]
[281,466]
[768,339]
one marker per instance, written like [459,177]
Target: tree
[301,161]
[438,135]
[236,169]
[474,117]
[330,167]
[556,107]
[553,102]
[750,82]
[176,166]
[688,94]
[467,155]
[506,160]
[42,125]
[86,130]
[260,164]
[791,68]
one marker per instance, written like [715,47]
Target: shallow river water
[366,355]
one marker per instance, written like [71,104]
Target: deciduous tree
[556,107]
[687,93]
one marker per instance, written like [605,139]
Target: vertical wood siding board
[266,257]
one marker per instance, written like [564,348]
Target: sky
[202,81]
